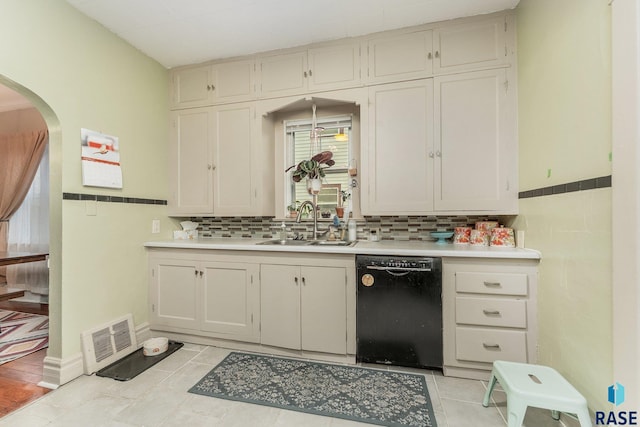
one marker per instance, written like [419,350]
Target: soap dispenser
[352,227]
[283,231]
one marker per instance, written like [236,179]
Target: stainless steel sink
[291,242]
[332,243]
[288,242]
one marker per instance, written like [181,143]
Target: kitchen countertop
[386,247]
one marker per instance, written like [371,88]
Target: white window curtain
[29,232]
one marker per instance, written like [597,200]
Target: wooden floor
[19,378]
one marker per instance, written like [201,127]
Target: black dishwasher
[399,311]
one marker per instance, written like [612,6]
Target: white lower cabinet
[304,307]
[173,293]
[489,313]
[218,298]
[230,298]
[281,300]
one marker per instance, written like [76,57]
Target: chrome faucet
[314,209]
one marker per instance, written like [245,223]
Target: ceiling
[180,32]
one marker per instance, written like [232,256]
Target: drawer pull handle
[491,346]
[492,284]
[491,312]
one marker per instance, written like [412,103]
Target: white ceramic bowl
[155,346]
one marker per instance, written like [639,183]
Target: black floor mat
[130,366]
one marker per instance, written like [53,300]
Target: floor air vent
[108,343]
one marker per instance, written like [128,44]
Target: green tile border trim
[585,184]
[112,199]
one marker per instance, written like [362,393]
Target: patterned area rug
[360,394]
[22,334]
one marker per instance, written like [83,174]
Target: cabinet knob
[310,73]
[296,280]
[437,55]
[429,55]
[304,282]
[431,154]
[305,74]
[491,346]
[438,153]
[201,273]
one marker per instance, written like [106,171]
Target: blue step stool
[535,385]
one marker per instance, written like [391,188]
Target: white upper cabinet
[397,176]
[323,68]
[475,138]
[211,84]
[444,149]
[234,163]
[471,45]
[400,57]
[334,67]
[283,74]
[214,154]
[191,87]
[190,178]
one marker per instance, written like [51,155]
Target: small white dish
[155,346]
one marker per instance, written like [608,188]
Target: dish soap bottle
[351,226]
[283,231]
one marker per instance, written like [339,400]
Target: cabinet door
[324,309]
[475,153]
[190,163]
[334,67]
[174,296]
[400,57]
[283,74]
[470,45]
[280,306]
[233,81]
[231,299]
[399,166]
[191,87]
[233,164]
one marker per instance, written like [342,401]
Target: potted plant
[293,210]
[313,170]
[344,197]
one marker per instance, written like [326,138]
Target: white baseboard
[56,371]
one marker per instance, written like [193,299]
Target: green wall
[79,75]
[564,73]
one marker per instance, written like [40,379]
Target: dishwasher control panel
[399,263]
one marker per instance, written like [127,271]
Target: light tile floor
[159,397]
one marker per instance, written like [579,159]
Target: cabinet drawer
[491,283]
[487,345]
[491,312]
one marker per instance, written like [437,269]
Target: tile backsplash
[388,227]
